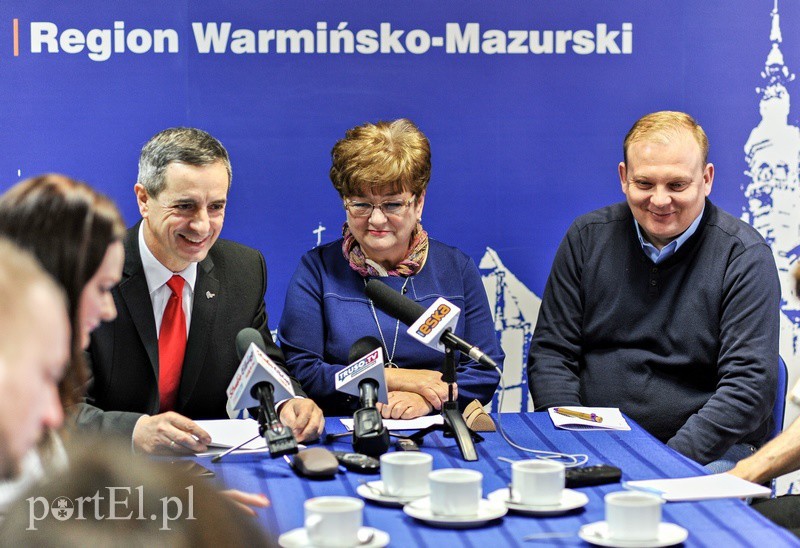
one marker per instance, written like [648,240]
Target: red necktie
[171,345]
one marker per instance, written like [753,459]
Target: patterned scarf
[409,266]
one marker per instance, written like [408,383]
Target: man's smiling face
[666,184]
[185,219]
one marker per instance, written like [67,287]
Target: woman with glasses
[381,172]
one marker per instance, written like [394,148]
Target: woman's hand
[424,382]
[404,405]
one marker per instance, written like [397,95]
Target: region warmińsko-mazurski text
[99,44]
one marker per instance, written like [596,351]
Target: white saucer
[298,538]
[570,500]
[668,534]
[487,511]
[388,500]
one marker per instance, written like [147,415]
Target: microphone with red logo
[259,382]
[432,326]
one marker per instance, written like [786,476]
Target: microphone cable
[567,459]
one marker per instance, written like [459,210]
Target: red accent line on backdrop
[16,37]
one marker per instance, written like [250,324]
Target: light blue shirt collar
[668,250]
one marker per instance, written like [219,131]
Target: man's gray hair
[184,145]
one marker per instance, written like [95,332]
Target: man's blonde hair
[664,126]
[383,157]
[20,275]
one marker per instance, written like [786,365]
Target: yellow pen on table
[579,414]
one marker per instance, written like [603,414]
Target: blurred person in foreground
[34,352]
[111,497]
[381,173]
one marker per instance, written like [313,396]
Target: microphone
[258,382]
[245,338]
[365,377]
[432,326]
[368,387]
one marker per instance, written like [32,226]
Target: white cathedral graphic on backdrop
[772,196]
[515,309]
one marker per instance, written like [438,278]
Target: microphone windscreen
[393,303]
[362,347]
[244,338]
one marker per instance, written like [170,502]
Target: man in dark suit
[183,298]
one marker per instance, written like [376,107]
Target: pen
[578,414]
[217,458]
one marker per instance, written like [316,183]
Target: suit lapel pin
[210,295]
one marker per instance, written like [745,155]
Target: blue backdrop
[525,104]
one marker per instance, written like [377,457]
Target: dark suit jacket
[228,296]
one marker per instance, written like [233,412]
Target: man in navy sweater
[664,306]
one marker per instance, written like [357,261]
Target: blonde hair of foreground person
[150,488]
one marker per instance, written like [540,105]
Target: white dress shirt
[158,275]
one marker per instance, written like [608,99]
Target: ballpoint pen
[579,414]
[217,458]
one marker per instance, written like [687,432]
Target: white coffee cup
[633,515]
[538,482]
[405,473]
[455,491]
[333,521]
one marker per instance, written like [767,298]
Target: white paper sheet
[226,433]
[612,419]
[715,486]
[403,424]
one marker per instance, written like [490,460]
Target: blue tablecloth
[717,523]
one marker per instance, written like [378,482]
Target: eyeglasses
[390,207]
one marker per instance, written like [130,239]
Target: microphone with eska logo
[432,326]
[365,378]
[258,383]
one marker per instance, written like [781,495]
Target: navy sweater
[688,348]
[327,311]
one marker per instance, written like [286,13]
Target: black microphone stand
[280,439]
[370,436]
[454,425]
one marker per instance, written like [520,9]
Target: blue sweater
[688,348]
[326,311]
